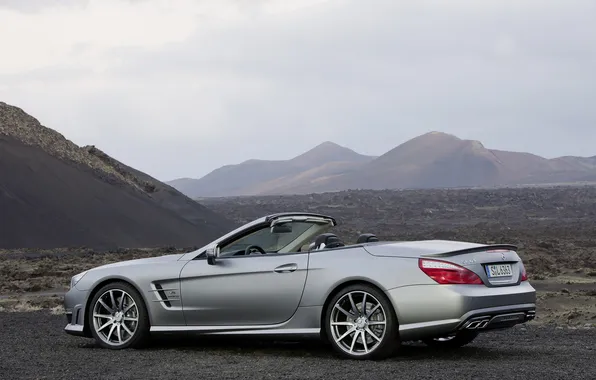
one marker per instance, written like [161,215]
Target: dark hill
[56,194]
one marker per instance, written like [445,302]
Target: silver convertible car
[286,275]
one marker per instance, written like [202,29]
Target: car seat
[366,238]
[327,240]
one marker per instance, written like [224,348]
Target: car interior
[288,238]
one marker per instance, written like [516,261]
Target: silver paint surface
[245,295]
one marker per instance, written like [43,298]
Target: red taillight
[524,275]
[448,273]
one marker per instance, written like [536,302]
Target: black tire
[388,344]
[459,339]
[141,333]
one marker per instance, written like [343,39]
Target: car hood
[417,248]
[148,260]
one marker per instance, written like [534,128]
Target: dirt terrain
[554,228]
[37,348]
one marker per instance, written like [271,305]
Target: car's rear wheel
[458,339]
[118,317]
[360,323]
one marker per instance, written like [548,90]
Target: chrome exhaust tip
[472,325]
[477,324]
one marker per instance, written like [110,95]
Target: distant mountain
[576,163]
[437,160]
[262,177]
[54,193]
[432,160]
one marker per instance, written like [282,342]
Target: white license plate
[499,270]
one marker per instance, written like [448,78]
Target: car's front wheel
[459,339]
[118,317]
[360,323]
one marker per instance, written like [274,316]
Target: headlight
[76,278]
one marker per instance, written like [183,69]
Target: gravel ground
[34,346]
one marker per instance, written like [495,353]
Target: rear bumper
[435,310]
[498,319]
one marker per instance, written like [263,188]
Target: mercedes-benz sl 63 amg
[286,275]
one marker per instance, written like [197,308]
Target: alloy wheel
[358,323]
[115,317]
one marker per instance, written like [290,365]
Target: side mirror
[212,253]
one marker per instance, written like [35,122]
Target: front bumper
[74,306]
[437,310]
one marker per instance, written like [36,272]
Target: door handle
[286,268]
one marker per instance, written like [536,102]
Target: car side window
[271,241]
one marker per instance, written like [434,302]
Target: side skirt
[305,322]
[238,330]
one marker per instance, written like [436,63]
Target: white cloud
[212,82]
[51,37]
[80,35]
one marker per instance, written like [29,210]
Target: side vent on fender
[166,295]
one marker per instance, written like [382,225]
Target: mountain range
[432,160]
[55,194]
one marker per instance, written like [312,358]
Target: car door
[260,289]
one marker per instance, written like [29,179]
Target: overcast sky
[178,88]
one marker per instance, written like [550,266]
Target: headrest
[328,240]
[366,238]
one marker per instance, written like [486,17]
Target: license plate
[499,270]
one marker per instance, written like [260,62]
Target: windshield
[302,232]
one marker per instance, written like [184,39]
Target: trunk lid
[419,248]
[496,265]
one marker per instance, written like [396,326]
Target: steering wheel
[249,249]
